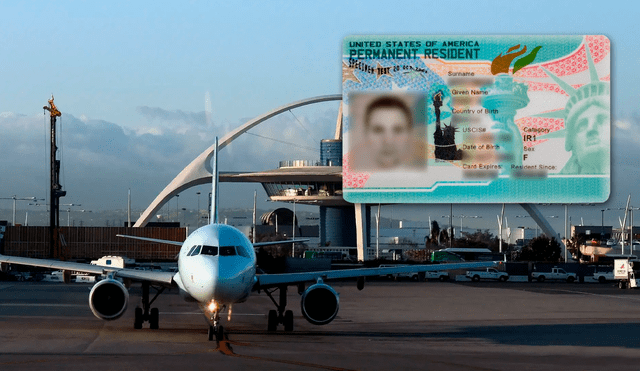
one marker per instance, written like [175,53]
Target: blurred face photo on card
[385,127]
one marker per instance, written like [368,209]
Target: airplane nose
[203,280]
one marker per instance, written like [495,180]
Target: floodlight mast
[55,188]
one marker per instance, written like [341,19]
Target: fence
[93,242]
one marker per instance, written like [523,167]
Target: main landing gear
[146,313]
[281,316]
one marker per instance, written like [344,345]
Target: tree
[479,239]
[444,237]
[435,233]
[573,246]
[541,248]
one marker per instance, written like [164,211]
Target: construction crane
[56,191]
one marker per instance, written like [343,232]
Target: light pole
[198,223]
[378,233]
[177,215]
[631,249]
[69,212]
[293,244]
[602,224]
[466,216]
[461,217]
[14,198]
[537,227]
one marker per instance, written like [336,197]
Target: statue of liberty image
[444,136]
[586,124]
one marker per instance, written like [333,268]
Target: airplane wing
[258,244]
[165,278]
[169,242]
[274,280]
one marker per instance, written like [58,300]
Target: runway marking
[590,293]
[200,313]
[41,305]
[224,347]
[25,362]
[471,367]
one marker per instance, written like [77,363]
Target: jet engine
[319,304]
[108,299]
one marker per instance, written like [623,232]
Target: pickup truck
[436,275]
[603,277]
[411,275]
[555,274]
[488,274]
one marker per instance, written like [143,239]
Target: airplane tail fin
[214,186]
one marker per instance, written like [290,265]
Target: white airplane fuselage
[216,266]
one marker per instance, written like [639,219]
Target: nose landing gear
[216,330]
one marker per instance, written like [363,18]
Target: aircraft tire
[154,319]
[288,320]
[137,322]
[272,321]
[220,333]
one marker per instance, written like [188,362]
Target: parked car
[603,277]
[488,274]
[414,276]
[437,275]
[555,274]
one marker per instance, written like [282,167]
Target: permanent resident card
[476,119]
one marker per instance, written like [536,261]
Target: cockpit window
[191,250]
[209,250]
[227,250]
[242,251]
[215,250]
[195,251]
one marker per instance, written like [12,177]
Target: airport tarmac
[388,325]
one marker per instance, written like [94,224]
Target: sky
[132,81]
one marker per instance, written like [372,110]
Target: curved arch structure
[199,171]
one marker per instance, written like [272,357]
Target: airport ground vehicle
[555,274]
[437,275]
[487,274]
[414,276]
[623,272]
[456,254]
[603,276]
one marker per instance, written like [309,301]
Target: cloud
[101,159]
[622,124]
[156,113]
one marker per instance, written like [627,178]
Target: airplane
[217,269]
